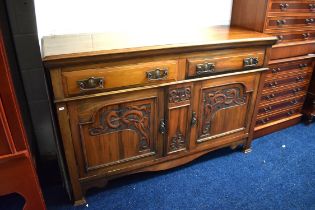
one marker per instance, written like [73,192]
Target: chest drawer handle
[273,84]
[280,37]
[294,101]
[291,112]
[312,7]
[205,68]
[157,74]
[309,20]
[306,35]
[302,65]
[268,109]
[264,121]
[281,22]
[270,96]
[275,70]
[91,83]
[251,62]
[284,6]
[300,78]
[295,90]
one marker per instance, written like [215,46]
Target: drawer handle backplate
[284,6]
[281,22]
[251,62]
[309,20]
[157,74]
[205,68]
[91,83]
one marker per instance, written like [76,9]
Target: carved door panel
[178,118]
[112,132]
[224,108]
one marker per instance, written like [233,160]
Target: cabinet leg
[247,148]
[309,119]
[79,202]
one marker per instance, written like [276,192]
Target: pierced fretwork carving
[180,94]
[135,118]
[218,98]
[177,142]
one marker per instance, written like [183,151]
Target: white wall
[56,17]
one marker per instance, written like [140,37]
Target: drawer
[293,67]
[100,79]
[282,93]
[213,63]
[278,116]
[292,6]
[290,22]
[289,50]
[272,107]
[289,80]
[294,36]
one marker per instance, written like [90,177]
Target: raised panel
[222,111]
[118,130]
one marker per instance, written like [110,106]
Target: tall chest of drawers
[291,63]
[128,103]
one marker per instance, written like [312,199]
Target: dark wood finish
[18,174]
[293,23]
[127,124]
[309,106]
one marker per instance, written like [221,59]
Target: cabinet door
[224,108]
[116,131]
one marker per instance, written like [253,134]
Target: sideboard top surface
[59,48]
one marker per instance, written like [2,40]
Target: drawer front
[278,116]
[296,36]
[287,51]
[283,93]
[290,22]
[294,67]
[292,6]
[224,62]
[280,82]
[100,79]
[272,107]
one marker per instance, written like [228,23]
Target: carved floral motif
[180,94]
[177,142]
[135,118]
[215,99]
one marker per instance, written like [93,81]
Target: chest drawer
[292,6]
[294,36]
[290,22]
[293,67]
[283,93]
[278,116]
[220,62]
[107,78]
[289,80]
[272,107]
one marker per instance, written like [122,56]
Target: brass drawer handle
[280,37]
[309,20]
[205,68]
[312,7]
[268,109]
[284,6]
[157,74]
[302,65]
[251,62]
[91,83]
[264,121]
[275,70]
[306,35]
[281,22]
[294,101]
[295,90]
[270,96]
[273,84]
[291,112]
[299,78]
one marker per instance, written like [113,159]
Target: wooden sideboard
[291,60]
[147,101]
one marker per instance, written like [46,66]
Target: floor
[278,174]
